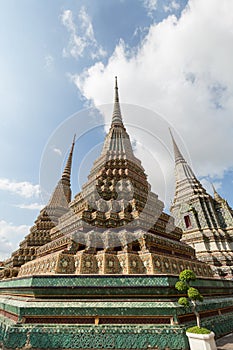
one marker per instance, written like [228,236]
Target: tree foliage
[183,301]
[198,330]
[181,286]
[193,294]
[187,276]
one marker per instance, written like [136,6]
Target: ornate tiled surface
[85,281]
[109,226]
[145,261]
[69,307]
[33,331]
[25,307]
[75,275]
[106,280]
[107,286]
[103,336]
[91,337]
[206,221]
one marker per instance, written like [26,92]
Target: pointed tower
[224,211]
[117,142]
[46,220]
[61,196]
[187,184]
[116,224]
[112,182]
[188,190]
[206,222]
[217,196]
[107,278]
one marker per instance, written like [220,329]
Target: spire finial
[116,87]
[217,196]
[214,189]
[67,170]
[178,155]
[61,196]
[116,117]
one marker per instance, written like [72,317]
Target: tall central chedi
[99,271]
[116,224]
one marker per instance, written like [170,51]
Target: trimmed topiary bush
[198,330]
[187,276]
[193,295]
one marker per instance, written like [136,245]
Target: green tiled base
[130,312]
[93,337]
[24,309]
[117,286]
[103,337]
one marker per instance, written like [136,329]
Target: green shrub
[194,294]
[181,286]
[183,301]
[198,330]
[187,276]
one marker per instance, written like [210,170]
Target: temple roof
[187,184]
[61,195]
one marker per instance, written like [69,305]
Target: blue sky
[60,57]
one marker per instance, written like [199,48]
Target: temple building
[48,218]
[98,271]
[206,221]
[114,225]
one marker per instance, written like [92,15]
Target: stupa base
[106,312]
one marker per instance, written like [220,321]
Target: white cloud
[140,32]
[32,206]
[57,151]
[171,6]
[150,6]
[49,62]
[24,189]
[208,185]
[82,38]
[10,235]
[182,69]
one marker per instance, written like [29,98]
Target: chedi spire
[61,196]
[187,184]
[116,116]
[67,170]
[177,154]
[217,196]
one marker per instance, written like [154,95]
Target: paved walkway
[225,343]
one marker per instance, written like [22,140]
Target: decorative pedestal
[201,341]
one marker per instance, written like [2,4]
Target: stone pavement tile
[225,343]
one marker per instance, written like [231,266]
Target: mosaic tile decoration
[103,337]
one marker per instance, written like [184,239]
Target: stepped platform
[106,312]
[98,271]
